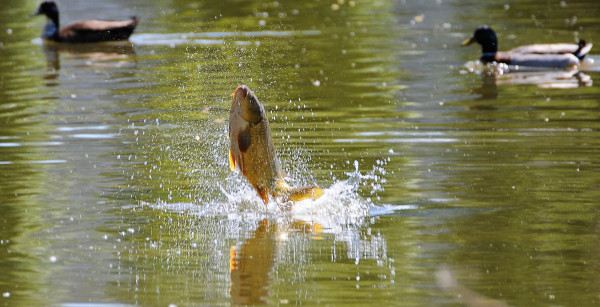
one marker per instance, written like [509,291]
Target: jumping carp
[252,151]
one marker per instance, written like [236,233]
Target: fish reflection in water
[253,261]
[113,54]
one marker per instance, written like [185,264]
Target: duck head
[486,37]
[49,9]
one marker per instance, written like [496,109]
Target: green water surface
[115,186]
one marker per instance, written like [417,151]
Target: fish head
[247,105]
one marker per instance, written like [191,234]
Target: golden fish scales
[252,151]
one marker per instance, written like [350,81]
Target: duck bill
[468,41]
[35,13]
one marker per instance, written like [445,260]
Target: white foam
[339,205]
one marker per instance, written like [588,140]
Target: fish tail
[302,193]
[263,193]
[583,50]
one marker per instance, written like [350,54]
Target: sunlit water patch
[210,38]
[30,144]
[399,137]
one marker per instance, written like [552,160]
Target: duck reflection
[547,79]
[493,75]
[251,263]
[111,54]
[488,89]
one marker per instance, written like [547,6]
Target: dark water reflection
[115,54]
[116,187]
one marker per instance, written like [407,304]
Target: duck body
[557,60]
[88,31]
[561,55]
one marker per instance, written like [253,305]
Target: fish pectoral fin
[263,193]
[302,193]
[232,259]
[231,161]
[244,139]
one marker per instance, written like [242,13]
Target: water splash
[490,69]
[340,205]
[337,224]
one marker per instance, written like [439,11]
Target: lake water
[442,187]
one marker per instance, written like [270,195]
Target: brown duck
[252,151]
[88,31]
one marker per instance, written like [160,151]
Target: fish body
[252,152]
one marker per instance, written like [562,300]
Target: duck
[561,55]
[88,31]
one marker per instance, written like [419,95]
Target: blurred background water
[115,186]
